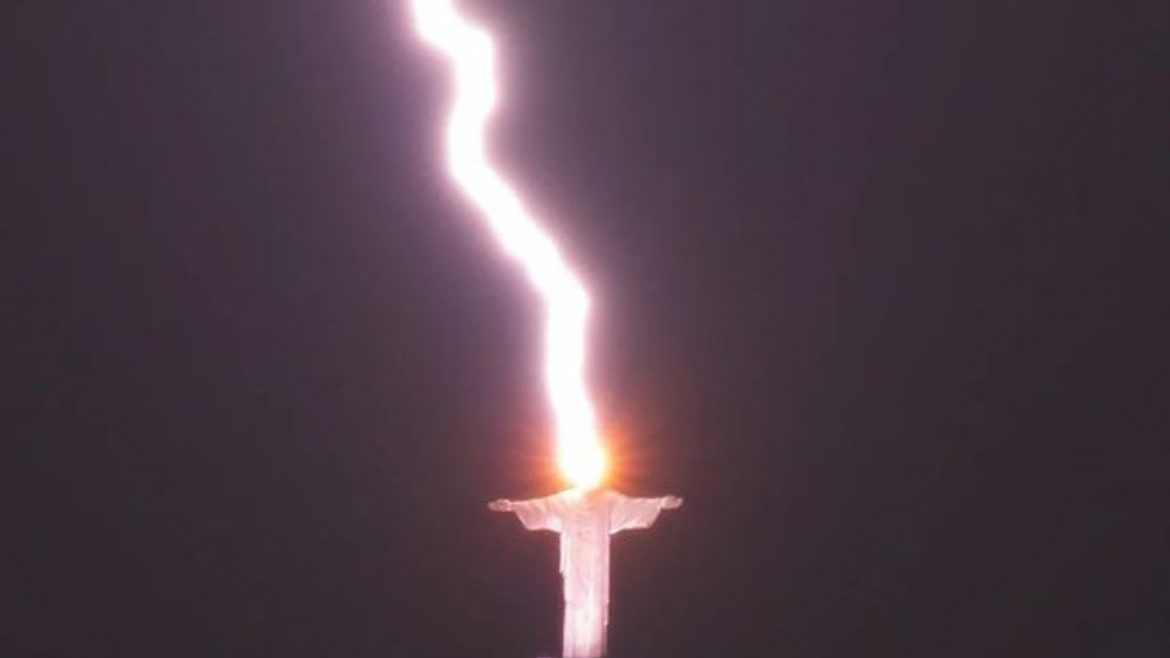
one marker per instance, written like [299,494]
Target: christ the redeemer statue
[585,519]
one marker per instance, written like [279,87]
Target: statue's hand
[500,505]
[672,502]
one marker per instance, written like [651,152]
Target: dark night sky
[880,289]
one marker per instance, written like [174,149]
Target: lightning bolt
[471,52]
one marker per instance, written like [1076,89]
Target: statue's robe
[585,521]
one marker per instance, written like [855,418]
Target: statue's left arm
[629,513]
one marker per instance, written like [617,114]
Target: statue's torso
[585,547]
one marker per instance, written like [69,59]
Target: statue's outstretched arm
[500,505]
[630,513]
[535,514]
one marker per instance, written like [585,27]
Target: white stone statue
[585,519]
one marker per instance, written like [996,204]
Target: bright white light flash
[472,54]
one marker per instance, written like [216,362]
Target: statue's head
[583,464]
[589,496]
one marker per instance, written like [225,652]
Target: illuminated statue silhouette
[585,520]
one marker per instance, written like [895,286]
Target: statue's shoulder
[563,498]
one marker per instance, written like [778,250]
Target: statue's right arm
[534,514]
[500,505]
